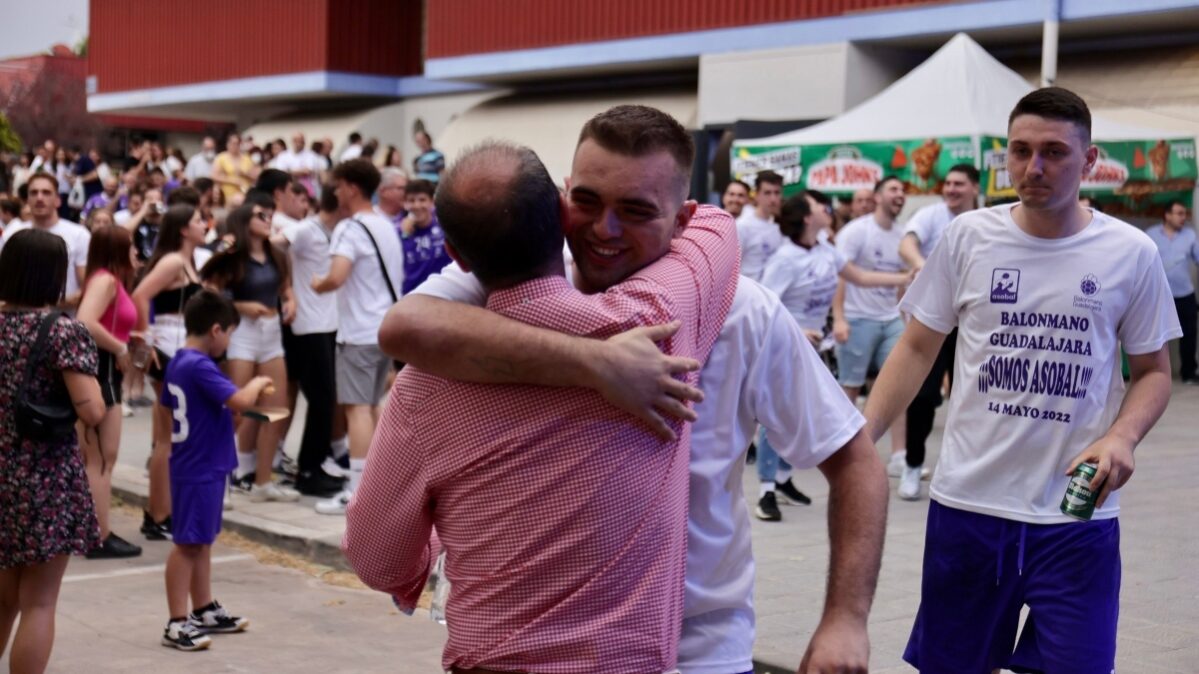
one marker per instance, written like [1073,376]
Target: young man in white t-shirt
[43,202]
[312,346]
[1044,294]
[921,235]
[367,269]
[761,371]
[866,322]
[756,231]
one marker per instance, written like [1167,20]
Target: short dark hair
[1175,202]
[967,170]
[737,182]
[1055,103]
[11,206]
[35,269]
[421,187]
[272,180]
[639,130]
[791,217]
[768,177]
[360,173]
[328,199]
[40,175]
[878,186]
[355,137]
[256,196]
[184,194]
[501,212]
[206,309]
[203,185]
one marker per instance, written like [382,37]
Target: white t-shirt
[928,224]
[762,370]
[805,281]
[308,248]
[869,246]
[1040,324]
[77,238]
[351,152]
[364,299]
[280,221]
[759,239]
[304,160]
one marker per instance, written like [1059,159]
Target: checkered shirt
[564,519]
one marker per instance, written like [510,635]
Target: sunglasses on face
[265,216]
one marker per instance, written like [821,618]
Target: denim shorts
[870,341]
[258,340]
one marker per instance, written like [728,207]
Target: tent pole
[1053,15]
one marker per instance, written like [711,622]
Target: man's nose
[607,226]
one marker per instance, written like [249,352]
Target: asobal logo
[1005,285]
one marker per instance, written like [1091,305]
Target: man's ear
[453,253]
[1092,157]
[683,217]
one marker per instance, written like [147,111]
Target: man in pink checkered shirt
[564,519]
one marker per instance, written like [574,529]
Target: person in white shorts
[256,275]
[866,322]
[367,271]
[169,281]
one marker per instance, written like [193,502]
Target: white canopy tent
[961,90]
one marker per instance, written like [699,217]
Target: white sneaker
[899,460]
[336,505]
[227,501]
[273,491]
[909,484]
[334,468]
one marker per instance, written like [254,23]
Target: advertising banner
[841,168]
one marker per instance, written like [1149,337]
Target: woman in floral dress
[46,510]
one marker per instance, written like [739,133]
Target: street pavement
[111,612]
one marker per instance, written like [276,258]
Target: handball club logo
[1090,285]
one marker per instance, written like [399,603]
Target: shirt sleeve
[80,252]
[454,285]
[778,275]
[347,241]
[1194,251]
[931,297]
[389,539]
[213,383]
[794,396]
[1151,319]
[918,225]
[70,347]
[849,241]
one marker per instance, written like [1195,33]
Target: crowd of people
[585,373]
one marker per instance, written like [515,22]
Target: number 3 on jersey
[179,413]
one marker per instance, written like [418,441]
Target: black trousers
[923,410]
[1188,311]
[311,363]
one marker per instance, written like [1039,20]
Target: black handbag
[42,422]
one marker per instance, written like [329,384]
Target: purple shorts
[980,570]
[196,509]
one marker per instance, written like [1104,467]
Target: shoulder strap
[39,347]
[382,267]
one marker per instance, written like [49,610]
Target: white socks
[782,475]
[356,468]
[765,488]
[247,462]
[340,447]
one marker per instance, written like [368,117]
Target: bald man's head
[502,214]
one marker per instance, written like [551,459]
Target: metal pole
[1053,15]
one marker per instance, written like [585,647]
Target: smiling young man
[1043,294]
[43,202]
[762,370]
[921,235]
[756,230]
[421,235]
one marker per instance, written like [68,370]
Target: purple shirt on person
[195,391]
[424,254]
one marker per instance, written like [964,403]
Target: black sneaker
[790,494]
[751,456]
[214,619]
[184,636]
[243,483]
[114,547]
[156,531]
[768,508]
[319,483]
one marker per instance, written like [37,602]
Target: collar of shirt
[529,291]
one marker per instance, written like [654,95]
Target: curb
[324,550]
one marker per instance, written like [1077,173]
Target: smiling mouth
[604,251]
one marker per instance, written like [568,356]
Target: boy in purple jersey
[421,236]
[200,398]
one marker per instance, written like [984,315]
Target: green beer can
[1079,501]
